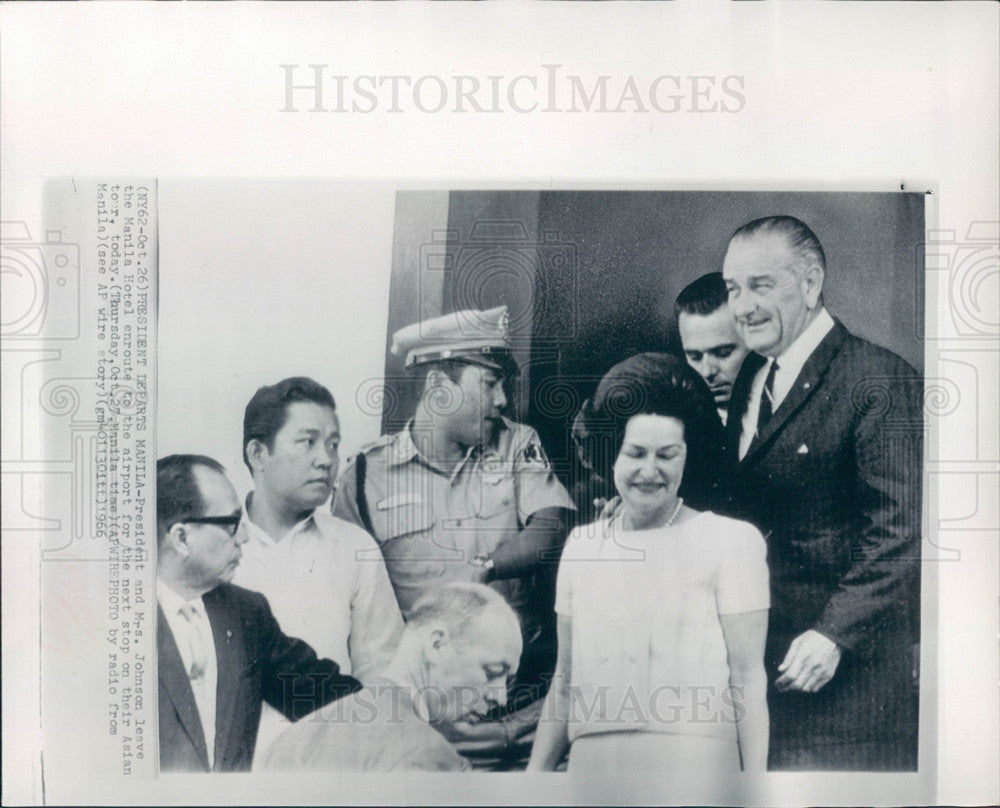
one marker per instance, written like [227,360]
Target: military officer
[463,493]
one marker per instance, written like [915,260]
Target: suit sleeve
[537,543]
[294,680]
[885,552]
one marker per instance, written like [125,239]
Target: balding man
[825,441]
[460,645]
[220,652]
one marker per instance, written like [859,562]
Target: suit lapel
[805,386]
[225,631]
[174,680]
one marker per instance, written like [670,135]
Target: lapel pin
[803,449]
[805,386]
[229,635]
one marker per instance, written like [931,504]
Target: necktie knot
[196,641]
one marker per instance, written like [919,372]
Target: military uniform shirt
[430,523]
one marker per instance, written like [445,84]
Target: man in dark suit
[825,442]
[220,650]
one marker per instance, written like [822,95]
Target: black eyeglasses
[231,522]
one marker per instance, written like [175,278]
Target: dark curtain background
[590,277]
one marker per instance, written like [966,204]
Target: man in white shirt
[825,444]
[324,577]
[708,336]
[220,652]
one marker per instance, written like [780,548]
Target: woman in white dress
[662,608]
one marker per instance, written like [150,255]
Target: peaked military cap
[471,336]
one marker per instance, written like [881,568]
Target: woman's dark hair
[657,384]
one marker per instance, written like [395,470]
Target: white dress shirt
[190,635]
[790,364]
[326,584]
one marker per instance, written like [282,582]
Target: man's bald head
[470,642]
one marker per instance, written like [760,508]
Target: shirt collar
[170,601]
[798,353]
[403,449]
[258,534]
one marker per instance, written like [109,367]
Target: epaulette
[379,443]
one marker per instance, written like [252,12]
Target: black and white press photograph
[500,403]
[600,482]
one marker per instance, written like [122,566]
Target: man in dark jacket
[825,445]
[220,651]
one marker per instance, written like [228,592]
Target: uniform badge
[492,464]
[533,454]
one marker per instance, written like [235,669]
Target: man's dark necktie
[767,399]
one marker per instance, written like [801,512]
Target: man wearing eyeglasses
[221,653]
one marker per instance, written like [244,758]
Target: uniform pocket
[396,521]
[496,496]
[409,549]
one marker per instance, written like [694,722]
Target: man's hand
[607,508]
[810,663]
[477,735]
[477,570]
